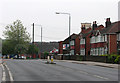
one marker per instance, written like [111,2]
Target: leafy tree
[46,53]
[33,49]
[17,38]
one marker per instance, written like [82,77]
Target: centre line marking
[101,77]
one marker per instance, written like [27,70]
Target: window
[102,51]
[96,51]
[65,46]
[82,52]
[98,38]
[92,39]
[99,50]
[82,41]
[102,38]
[105,50]
[118,36]
[72,52]
[105,37]
[91,52]
[72,43]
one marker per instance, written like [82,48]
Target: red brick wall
[60,47]
[112,43]
[97,45]
[87,45]
[77,45]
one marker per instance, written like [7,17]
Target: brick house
[118,38]
[84,38]
[93,40]
[103,40]
[64,48]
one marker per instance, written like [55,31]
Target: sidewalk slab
[0,71]
[92,63]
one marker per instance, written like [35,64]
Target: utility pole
[41,39]
[33,33]
[41,35]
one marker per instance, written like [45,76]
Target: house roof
[113,28]
[72,37]
[82,34]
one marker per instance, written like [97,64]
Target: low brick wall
[96,58]
[82,58]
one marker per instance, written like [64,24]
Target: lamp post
[69,26]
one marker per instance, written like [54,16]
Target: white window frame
[105,50]
[118,36]
[105,37]
[72,43]
[72,52]
[96,51]
[102,38]
[82,51]
[82,41]
[92,39]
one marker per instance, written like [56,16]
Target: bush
[113,58]
[81,58]
[104,55]
[117,60]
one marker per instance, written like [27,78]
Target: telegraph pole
[33,33]
[41,39]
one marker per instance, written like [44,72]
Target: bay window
[92,39]
[72,52]
[82,41]
[105,37]
[82,51]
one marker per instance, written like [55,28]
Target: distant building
[47,46]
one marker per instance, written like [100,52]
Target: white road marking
[3,74]
[101,77]
[83,72]
[2,67]
[10,74]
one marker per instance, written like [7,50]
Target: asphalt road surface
[37,70]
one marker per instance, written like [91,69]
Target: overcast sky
[55,27]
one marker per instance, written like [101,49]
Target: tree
[17,38]
[32,49]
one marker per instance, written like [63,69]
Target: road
[37,70]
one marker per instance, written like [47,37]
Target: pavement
[92,63]
[63,70]
[0,71]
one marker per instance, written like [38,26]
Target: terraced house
[103,40]
[84,38]
[93,40]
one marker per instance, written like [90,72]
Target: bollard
[51,59]
[48,58]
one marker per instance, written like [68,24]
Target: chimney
[108,22]
[94,25]
[83,27]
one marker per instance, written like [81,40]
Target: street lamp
[69,26]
